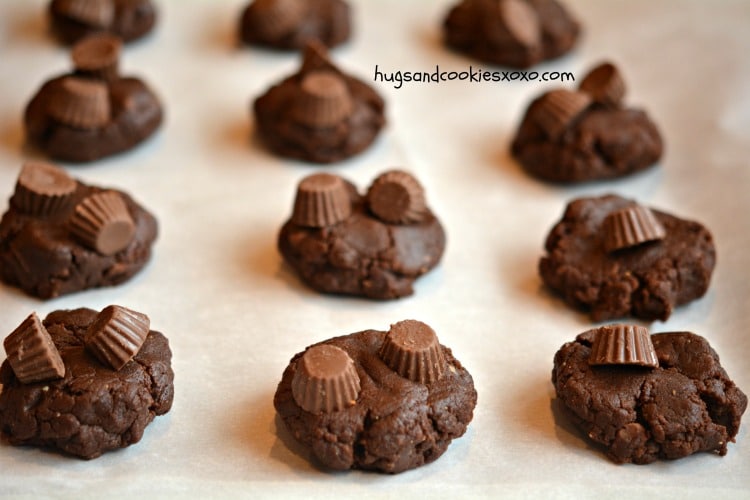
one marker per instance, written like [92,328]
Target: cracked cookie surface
[93,409]
[646,281]
[395,424]
[685,406]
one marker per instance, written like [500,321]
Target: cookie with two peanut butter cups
[374,246]
[515,33]
[92,112]
[373,400]
[60,235]
[97,379]
[289,24]
[646,397]
[73,20]
[586,134]
[319,114]
[612,257]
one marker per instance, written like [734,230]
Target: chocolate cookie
[87,407]
[613,258]
[289,24]
[92,112]
[319,114]
[373,246]
[73,20]
[60,235]
[584,135]
[684,405]
[384,401]
[515,33]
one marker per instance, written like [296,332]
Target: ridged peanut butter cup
[322,200]
[521,21]
[397,197]
[32,354]
[81,103]
[412,350]
[623,345]
[96,13]
[43,189]
[630,227]
[116,335]
[103,223]
[97,56]
[325,380]
[604,84]
[324,100]
[275,18]
[559,108]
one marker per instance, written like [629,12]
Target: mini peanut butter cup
[97,56]
[325,380]
[631,226]
[116,335]
[322,200]
[81,103]
[559,108]
[324,100]
[412,350]
[276,18]
[623,345]
[96,13]
[521,21]
[43,189]
[103,223]
[604,84]
[32,354]
[397,197]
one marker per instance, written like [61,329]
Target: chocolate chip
[97,56]
[96,13]
[397,197]
[322,200]
[102,222]
[623,345]
[81,103]
[325,380]
[116,335]
[411,349]
[32,354]
[604,84]
[558,109]
[629,227]
[43,189]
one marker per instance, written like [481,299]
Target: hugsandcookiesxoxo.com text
[474,75]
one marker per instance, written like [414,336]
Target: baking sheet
[235,315]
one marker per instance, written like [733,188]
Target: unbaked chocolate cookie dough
[373,246]
[289,24]
[61,236]
[129,20]
[83,382]
[92,112]
[588,134]
[611,257]
[666,398]
[383,401]
[515,33]
[319,114]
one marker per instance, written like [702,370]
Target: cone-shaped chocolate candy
[604,84]
[412,350]
[324,100]
[97,56]
[397,197]
[630,227]
[103,223]
[81,103]
[275,18]
[623,345]
[315,58]
[43,189]
[559,108]
[116,335]
[32,354]
[325,380]
[322,200]
[96,13]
